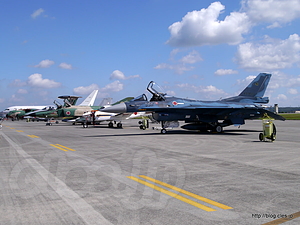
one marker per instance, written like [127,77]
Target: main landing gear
[111,124]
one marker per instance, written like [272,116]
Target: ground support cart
[269,129]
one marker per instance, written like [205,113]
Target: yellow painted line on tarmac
[211,202]
[172,194]
[58,147]
[12,128]
[61,147]
[33,136]
[283,220]
[66,147]
[20,131]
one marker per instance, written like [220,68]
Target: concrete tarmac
[64,174]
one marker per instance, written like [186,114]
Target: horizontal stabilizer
[273,115]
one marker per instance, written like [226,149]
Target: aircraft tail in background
[90,100]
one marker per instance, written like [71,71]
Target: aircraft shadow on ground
[175,132]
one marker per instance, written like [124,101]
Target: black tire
[273,137]
[218,129]
[163,131]
[274,129]
[261,137]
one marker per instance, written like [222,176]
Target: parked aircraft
[69,109]
[19,114]
[96,116]
[24,107]
[202,115]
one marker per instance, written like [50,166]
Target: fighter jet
[202,115]
[68,109]
[96,116]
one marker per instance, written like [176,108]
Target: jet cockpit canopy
[157,92]
[142,97]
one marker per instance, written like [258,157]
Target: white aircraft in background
[24,107]
[96,117]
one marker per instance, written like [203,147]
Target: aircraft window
[142,97]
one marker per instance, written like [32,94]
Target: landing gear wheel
[119,125]
[163,131]
[219,129]
[85,125]
[110,124]
[261,136]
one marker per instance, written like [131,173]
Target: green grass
[291,116]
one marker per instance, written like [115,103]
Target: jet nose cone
[119,108]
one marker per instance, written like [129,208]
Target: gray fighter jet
[202,115]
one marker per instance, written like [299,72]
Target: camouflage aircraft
[18,114]
[69,109]
[202,115]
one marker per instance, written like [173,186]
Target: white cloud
[36,80]
[171,93]
[191,58]
[281,97]
[202,27]
[85,90]
[17,83]
[180,66]
[276,54]
[65,66]
[118,75]
[15,98]
[292,82]
[44,64]
[37,13]
[209,90]
[221,72]
[113,87]
[276,12]
[244,82]
[22,91]
[292,91]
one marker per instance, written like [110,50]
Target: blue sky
[194,48]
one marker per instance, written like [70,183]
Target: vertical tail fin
[90,100]
[106,101]
[257,87]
